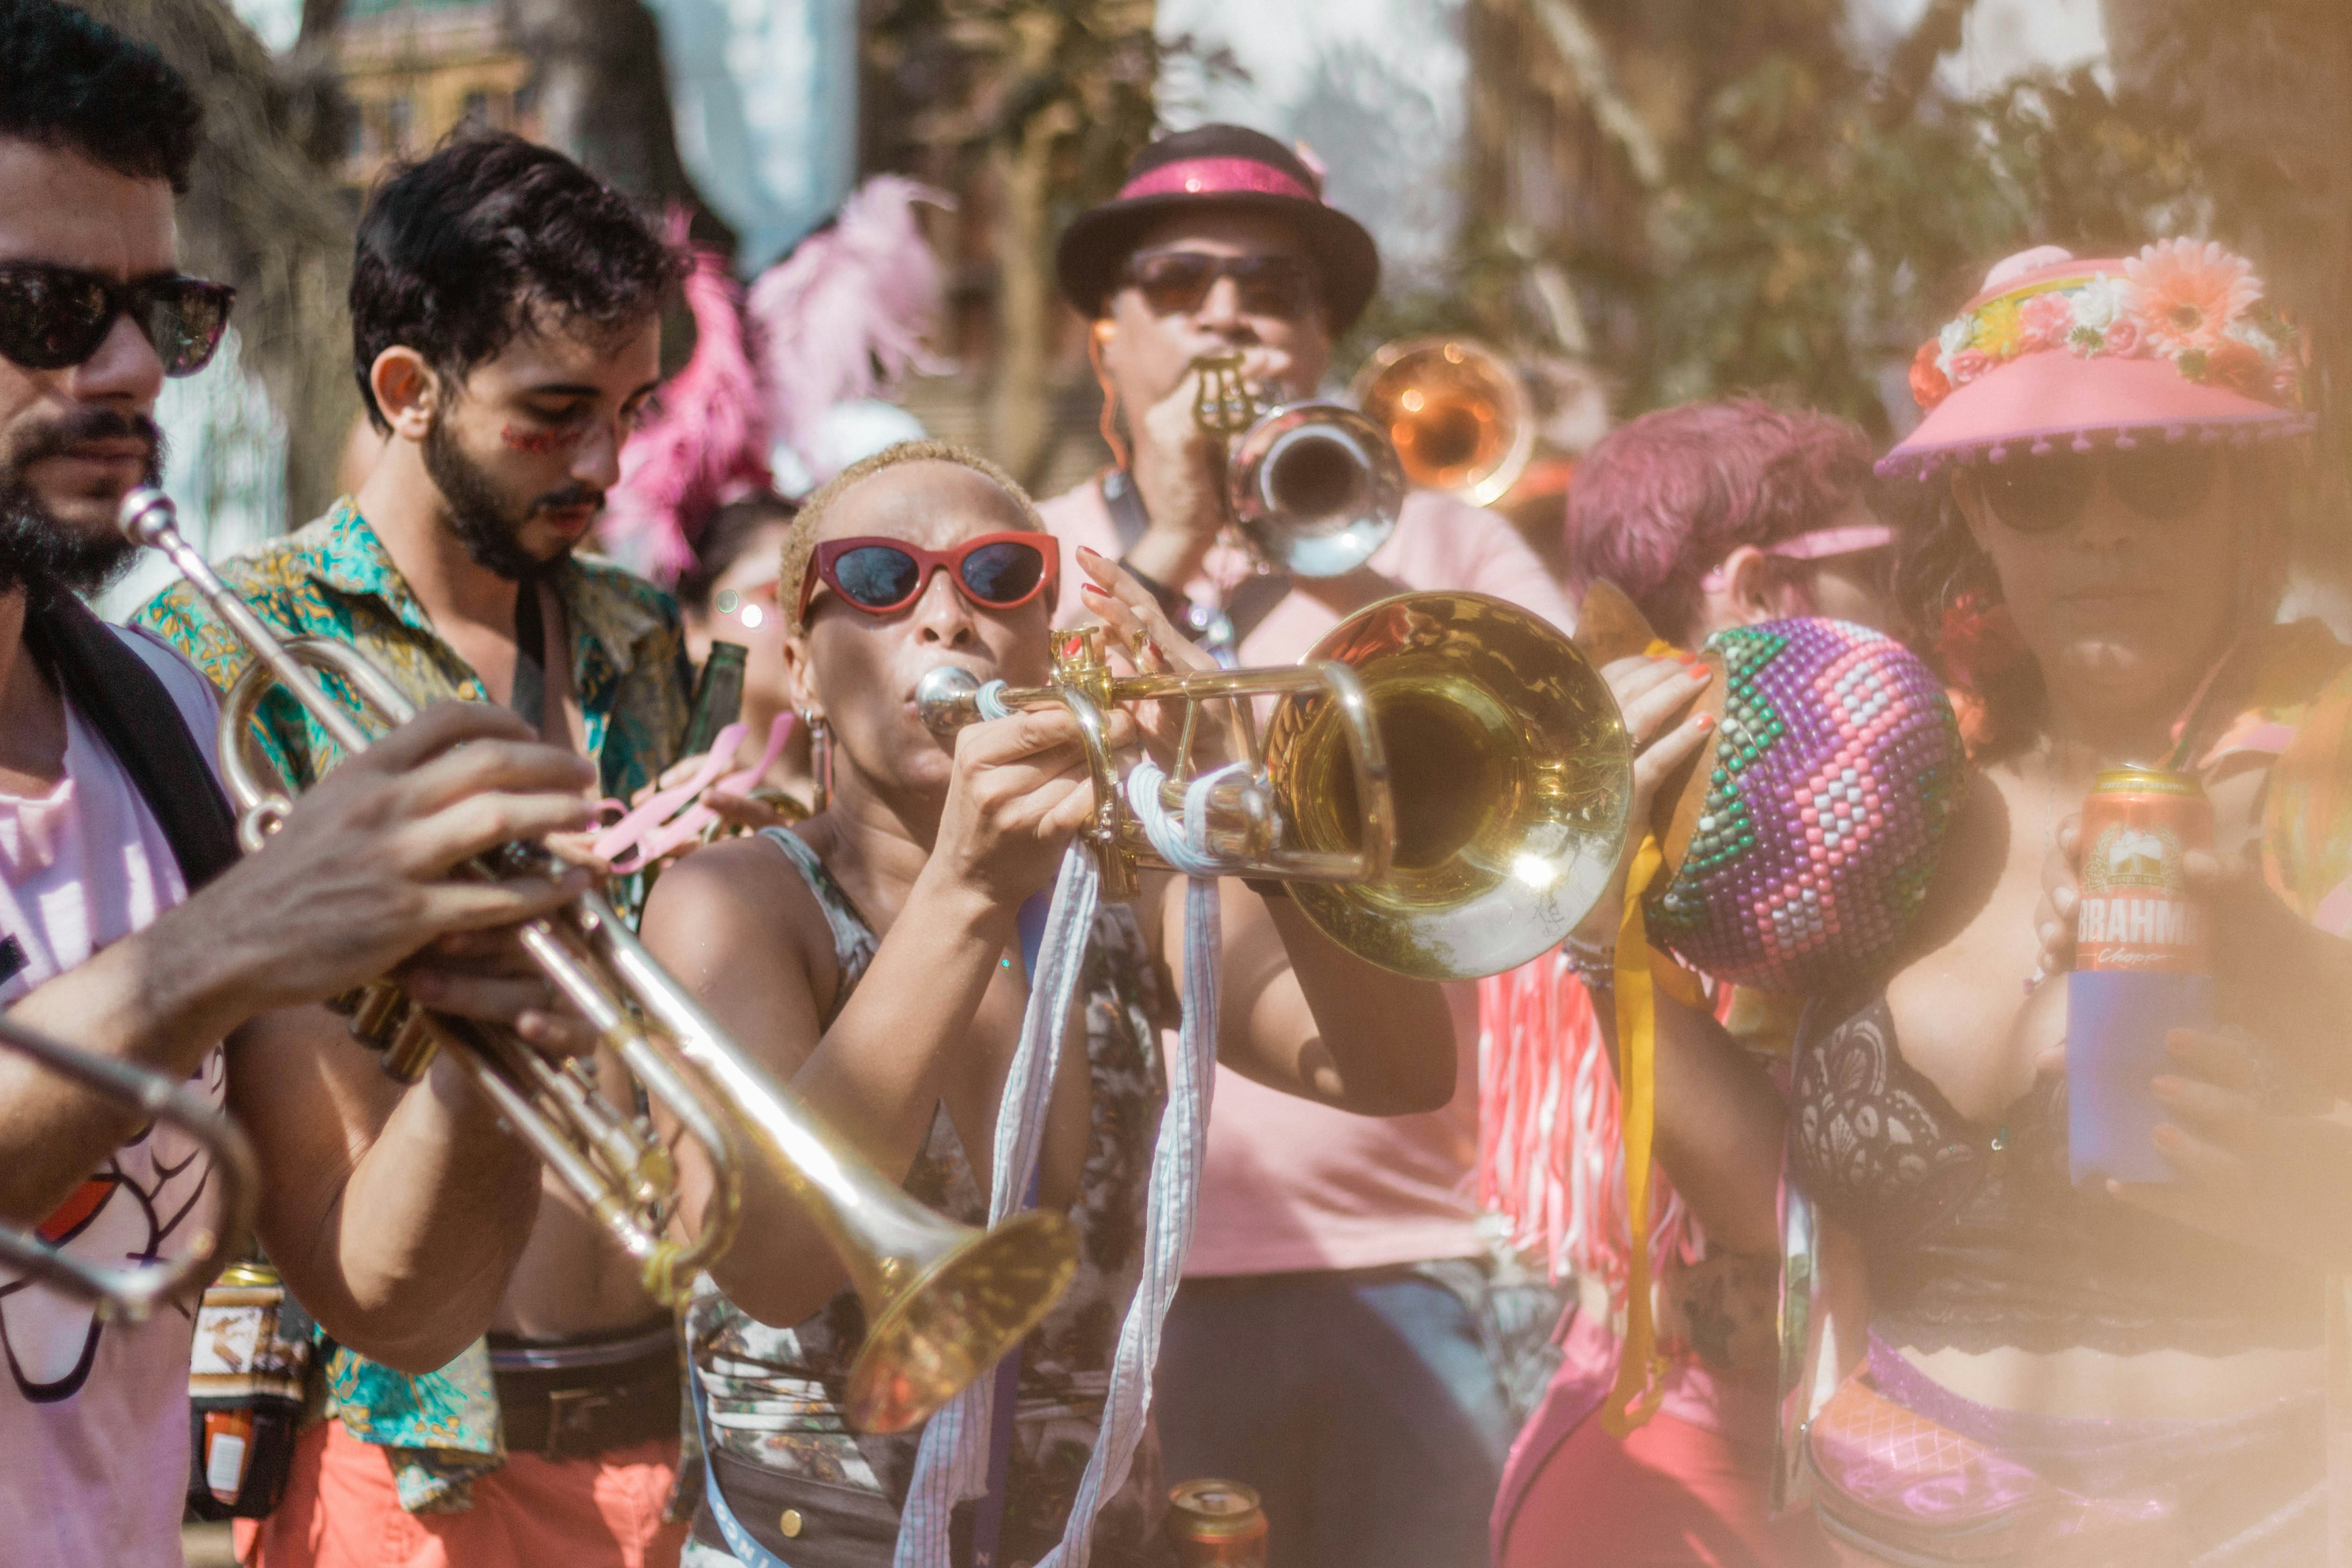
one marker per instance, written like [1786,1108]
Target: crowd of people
[1869,1311]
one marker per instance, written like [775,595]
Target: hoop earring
[1108,425]
[821,761]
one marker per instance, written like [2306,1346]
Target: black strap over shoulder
[132,711]
[1253,598]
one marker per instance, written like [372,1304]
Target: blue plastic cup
[2115,1024]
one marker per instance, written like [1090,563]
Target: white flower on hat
[1956,336]
[2101,300]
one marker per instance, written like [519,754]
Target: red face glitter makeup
[540,442]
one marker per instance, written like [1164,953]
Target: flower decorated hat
[2176,343]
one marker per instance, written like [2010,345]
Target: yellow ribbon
[1641,1370]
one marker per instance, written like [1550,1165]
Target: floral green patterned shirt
[334,579]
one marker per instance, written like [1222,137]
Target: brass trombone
[944,1301]
[1443,782]
[137,1289]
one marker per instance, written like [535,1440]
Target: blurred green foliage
[1807,242]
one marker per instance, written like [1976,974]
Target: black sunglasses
[1176,282]
[2042,495]
[52,317]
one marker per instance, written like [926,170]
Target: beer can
[1217,1524]
[2136,913]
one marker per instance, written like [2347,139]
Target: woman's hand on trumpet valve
[1141,639]
[358,881]
[1020,789]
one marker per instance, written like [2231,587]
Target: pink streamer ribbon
[671,819]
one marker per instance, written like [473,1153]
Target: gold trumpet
[1456,412]
[1443,782]
[136,1291]
[944,1301]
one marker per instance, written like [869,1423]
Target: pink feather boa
[708,445]
[846,313]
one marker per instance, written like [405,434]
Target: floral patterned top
[774,1393]
[334,579]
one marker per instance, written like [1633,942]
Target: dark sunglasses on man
[53,318]
[1177,283]
[2161,480]
[883,576]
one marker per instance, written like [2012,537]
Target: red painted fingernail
[1705,722]
[1087,554]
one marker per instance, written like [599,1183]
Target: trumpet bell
[1455,411]
[1314,486]
[1510,774]
[945,1324]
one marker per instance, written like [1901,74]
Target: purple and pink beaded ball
[1836,771]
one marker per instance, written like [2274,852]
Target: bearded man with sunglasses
[505,317]
[1336,1342]
[128,924]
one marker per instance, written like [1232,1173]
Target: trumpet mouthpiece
[947,698]
[147,515]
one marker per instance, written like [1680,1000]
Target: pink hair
[1661,499]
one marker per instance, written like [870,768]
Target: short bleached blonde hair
[800,544]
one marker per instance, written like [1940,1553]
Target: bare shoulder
[740,899]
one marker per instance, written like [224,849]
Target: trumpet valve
[412,1047]
[1222,405]
[1081,664]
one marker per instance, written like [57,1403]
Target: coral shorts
[342,1510]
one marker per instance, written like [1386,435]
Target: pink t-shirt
[94,1419]
[1292,1185]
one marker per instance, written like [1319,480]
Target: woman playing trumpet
[870,955]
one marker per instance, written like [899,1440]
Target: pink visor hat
[2176,343]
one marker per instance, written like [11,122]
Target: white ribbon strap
[951,1463]
[989,700]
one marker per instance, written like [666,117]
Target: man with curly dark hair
[506,333]
[128,923]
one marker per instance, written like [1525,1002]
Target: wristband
[1173,604]
[1595,966]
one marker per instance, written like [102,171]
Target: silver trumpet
[1314,486]
[135,1290]
[944,1301]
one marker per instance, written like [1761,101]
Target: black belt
[578,1399]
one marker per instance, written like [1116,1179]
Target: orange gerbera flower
[2187,292]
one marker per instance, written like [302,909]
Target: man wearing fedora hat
[1332,1345]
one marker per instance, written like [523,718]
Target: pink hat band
[1216,177]
[2175,339]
